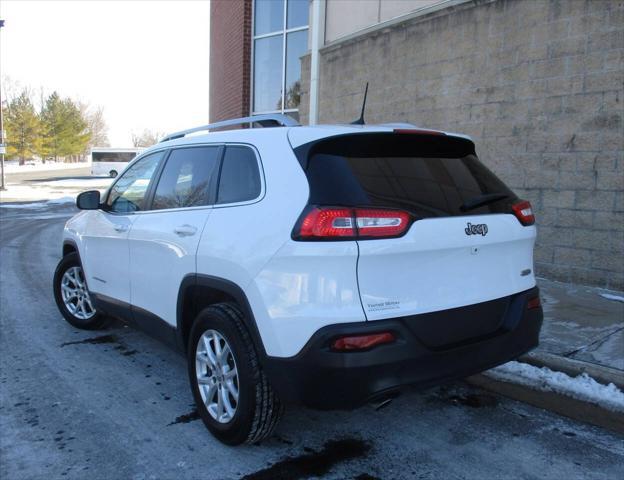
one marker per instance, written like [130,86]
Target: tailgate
[438,266]
[436,229]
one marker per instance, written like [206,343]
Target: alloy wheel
[217,376]
[75,294]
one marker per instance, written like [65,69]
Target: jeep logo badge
[479,229]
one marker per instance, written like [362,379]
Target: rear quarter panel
[293,288]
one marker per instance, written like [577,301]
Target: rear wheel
[232,393]
[113,173]
[72,295]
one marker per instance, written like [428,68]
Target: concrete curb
[574,368]
[554,402]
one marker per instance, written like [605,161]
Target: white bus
[111,161]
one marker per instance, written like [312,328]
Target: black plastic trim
[69,242]
[356,377]
[305,151]
[231,289]
[143,320]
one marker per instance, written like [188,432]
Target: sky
[144,61]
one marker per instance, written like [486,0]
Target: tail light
[361,342]
[417,131]
[533,303]
[524,212]
[327,223]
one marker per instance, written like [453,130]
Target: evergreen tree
[76,136]
[52,124]
[64,126]
[23,127]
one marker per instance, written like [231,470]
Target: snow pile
[609,296]
[582,388]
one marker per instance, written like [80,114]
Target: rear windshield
[428,175]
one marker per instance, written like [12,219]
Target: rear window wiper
[482,200]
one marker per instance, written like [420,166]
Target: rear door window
[187,177]
[430,176]
[240,176]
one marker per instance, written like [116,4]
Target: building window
[280,38]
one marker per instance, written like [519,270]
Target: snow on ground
[582,388]
[54,191]
[36,205]
[88,182]
[29,205]
[609,296]
[59,201]
[15,167]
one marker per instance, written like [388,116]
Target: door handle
[185,230]
[121,228]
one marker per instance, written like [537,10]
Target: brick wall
[538,84]
[230,58]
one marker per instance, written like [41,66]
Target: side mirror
[88,200]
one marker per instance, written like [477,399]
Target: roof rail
[266,120]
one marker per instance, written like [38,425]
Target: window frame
[148,192]
[213,186]
[283,32]
[214,183]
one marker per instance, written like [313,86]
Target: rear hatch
[436,229]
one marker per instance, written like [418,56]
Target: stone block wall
[538,84]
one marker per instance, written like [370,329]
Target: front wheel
[233,396]
[72,296]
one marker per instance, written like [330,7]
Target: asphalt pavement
[115,404]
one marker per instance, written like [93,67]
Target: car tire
[256,407]
[72,295]
[113,173]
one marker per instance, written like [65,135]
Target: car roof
[296,136]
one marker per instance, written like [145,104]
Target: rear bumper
[321,378]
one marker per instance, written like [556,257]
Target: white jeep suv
[329,265]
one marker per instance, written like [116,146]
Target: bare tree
[146,138]
[96,125]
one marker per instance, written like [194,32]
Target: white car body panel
[247,244]
[160,258]
[304,287]
[436,266]
[104,253]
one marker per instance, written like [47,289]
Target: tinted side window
[128,193]
[240,177]
[186,178]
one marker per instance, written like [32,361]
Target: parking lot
[116,404]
